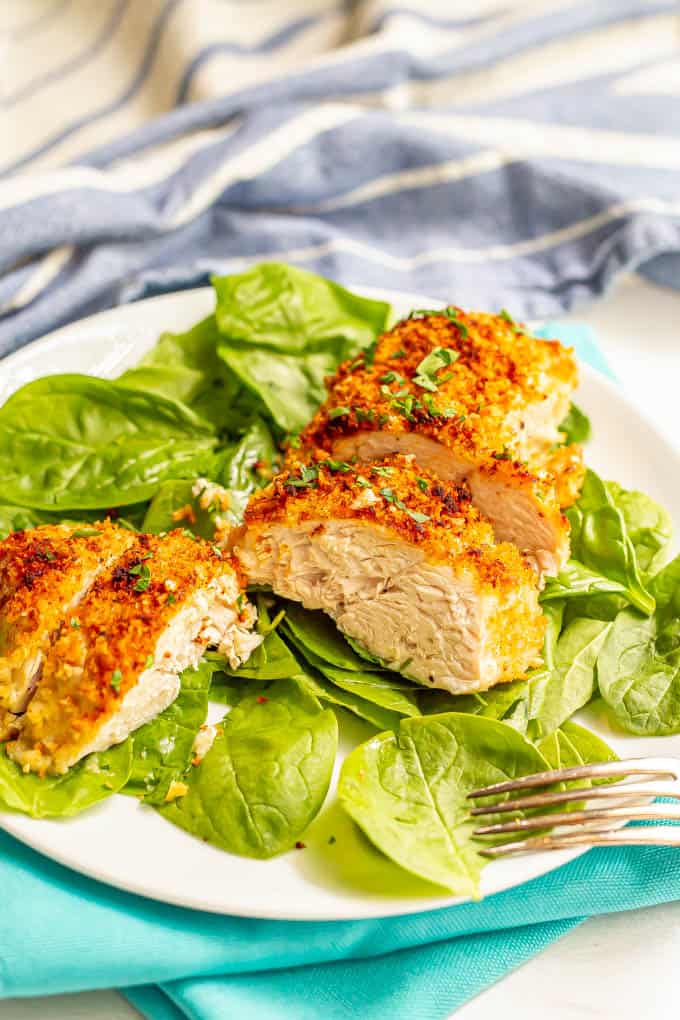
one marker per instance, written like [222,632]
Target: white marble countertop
[620,965]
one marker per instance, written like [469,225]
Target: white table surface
[625,965]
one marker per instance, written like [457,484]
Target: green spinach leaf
[100,446]
[163,747]
[408,791]
[600,540]
[93,779]
[649,525]
[186,367]
[574,745]
[639,665]
[291,310]
[557,692]
[325,690]
[266,775]
[576,426]
[576,581]
[284,330]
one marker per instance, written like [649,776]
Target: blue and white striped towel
[516,154]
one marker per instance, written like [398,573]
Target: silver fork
[627,797]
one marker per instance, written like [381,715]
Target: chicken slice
[44,573]
[404,564]
[116,662]
[476,400]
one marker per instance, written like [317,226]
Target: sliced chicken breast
[476,400]
[44,573]
[117,660]
[404,564]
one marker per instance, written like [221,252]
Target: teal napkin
[61,932]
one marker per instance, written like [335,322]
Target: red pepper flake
[261,700]
[300,846]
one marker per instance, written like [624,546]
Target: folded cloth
[62,932]
[499,155]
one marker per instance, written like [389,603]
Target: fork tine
[614,792]
[654,768]
[643,836]
[607,816]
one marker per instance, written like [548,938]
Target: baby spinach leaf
[325,690]
[247,465]
[284,330]
[408,791]
[639,665]
[186,367]
[557,692]
[266,775]
[600,540]
[576,581]
[649,525]
[100,446]
[17,518]
[172,497]
[291,310]
[576,426]
[389,690]
[573,745]
[93,779]
[316,631]
[163,747]
[290,387]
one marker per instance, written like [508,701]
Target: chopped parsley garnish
[383,420]
[75,622]
[116,678]
[337,465]
[503,455]
[171,599]
[149,662]
[392,377]
[422,484]
[401,353]
[426,371]
[142,572]
[338,412]
[216,549]
[504,314]
[240,602]
[415,515]
[363,482]
[85,533]
[49,555]
[362,415]
[369,354]
[308,477]
[382,471]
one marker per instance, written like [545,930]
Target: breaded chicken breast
[404,564]
[476,400]
[116,662]
[44,573]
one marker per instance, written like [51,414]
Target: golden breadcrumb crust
[111,639]
[473,405]
[396,494]
[42,569]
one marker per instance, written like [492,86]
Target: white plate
[131,847]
